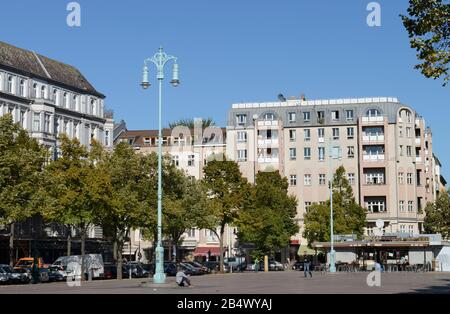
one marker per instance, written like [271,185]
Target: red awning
[204,251]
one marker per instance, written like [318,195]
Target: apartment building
[49,98]
[190,150]
[384,145]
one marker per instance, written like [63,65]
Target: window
[321,133]
[242,155]
[322,179]
[408,132]
[191,233]
[321,117]
[107,138]
[307,206]
[401,206]
[335,115]
[307,153]
[410,207]
[93,107]
[408,151]
[411,229]
[374,176]
[401,178]
[400,131]
[321,153]
[373,113]
[292,135]
[351,178]
[35,93]
[147,140]
[242,137]
[306,116]
[409,179]
[47,123]
[408,117]
[176,160]
[66,100]
[335,133]
[22,118]
[402,228]
[43,90]
[293,180]
[350,115]
[22,88]
[10,84]
[350,133]
[375,205]
[191,160]
[36,122]
[307,179]
[351,152]
[269,117]
[241,119]
[293,153]
[307,134]
[401,150]
[292,117]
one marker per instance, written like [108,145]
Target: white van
[71,266]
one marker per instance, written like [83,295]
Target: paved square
[289,282]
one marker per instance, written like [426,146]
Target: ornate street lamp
[159,60]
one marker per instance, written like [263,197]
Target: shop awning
[304,249]
[206,251]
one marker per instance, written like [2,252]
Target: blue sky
[232,51]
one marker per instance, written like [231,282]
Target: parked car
[273,266]
[11,275]
[137,271]
[56,273]
[170,269]
[205,269]
[212,265]
[236,263]
[109,271]
[190,270]
[28,263]
[71,265]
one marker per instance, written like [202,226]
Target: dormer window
[373,113]
[43,91]
[269,117]
[66,100]
[10,84]
[22,87]
[92,107]
[241,119]
[35,92]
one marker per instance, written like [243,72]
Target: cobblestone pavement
[289,282]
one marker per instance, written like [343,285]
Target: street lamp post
[332,256]
[159,60]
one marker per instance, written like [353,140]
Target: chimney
[303,97]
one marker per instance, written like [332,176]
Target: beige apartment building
[384,145]
[190,149]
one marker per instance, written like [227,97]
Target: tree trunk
[222,233]
[69,241]
[11,245]
[83,253]
[119,258]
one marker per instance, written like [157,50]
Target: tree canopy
[428,26]
[437,219]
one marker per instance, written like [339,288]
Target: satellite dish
[281,97]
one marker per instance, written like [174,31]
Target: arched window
[373,113]
[43,89]
[22,88]
[56,96]
[10,84]
[269,117]
[92,107]
[35,92]
[66,100]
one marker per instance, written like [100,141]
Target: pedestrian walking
[307,267]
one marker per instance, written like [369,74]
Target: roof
[40,66]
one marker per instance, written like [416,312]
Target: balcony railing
[373,138]
[267,123]
[418,141]
[373,158]
[268,142]
[378,119]
[268,159]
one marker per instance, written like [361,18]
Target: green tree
[21,164]
[349,217]
[268,219]
[428,26]
[75,188]
[227,192]
[437,219]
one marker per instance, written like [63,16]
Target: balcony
[418,141]
[373,138]
[268,159]
[373,158]
[268,123]
[268,142]
[373,120]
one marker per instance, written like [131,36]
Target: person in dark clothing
[307,266]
